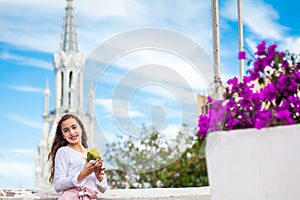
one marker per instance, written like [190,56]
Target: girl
[70,172]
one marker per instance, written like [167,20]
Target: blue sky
[30,35]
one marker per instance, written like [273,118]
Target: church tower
[68,68]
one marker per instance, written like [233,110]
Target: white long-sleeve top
[68,164]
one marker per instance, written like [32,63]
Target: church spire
[69,36]
[68,64]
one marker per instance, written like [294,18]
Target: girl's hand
[89,167]
[99,171]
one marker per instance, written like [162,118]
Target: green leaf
[277,60]
[261,81]
[278,100]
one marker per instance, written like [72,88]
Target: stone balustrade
[195,193]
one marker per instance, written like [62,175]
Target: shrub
[245,105]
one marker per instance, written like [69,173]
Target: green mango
[93,154]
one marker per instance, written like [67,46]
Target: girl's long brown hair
[59,141]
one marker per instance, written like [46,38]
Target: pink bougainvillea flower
[242,55]
[275,102]
[209,100]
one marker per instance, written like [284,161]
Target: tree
[154,161]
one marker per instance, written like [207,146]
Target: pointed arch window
[62,88]
[70,87]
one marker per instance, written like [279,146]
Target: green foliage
[151,162]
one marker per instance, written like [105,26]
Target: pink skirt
[78,193]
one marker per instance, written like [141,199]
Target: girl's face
[71,131]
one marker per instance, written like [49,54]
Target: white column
[91,101]
[46,99]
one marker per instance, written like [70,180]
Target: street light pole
[241,37]
[216,49]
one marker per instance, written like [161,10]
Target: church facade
[68,96]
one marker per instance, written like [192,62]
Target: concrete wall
[197,193]
[253,164]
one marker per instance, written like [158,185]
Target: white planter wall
[253,164]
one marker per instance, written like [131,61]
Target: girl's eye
[65,130]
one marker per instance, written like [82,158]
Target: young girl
[70,172]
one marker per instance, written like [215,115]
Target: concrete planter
[254,164]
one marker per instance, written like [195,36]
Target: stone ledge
[194,193]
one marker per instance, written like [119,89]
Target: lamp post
[216,49]
[241,37]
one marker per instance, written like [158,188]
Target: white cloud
[135,113]
[23,88]
[31,24]
[98,21]
[26,61]
[191,18]
[105,103]
[103,9]
[26,121]
[251,45]
[33,3]
[24,151]
[176,63]
[118,108]
[16,167]
[16,150]
[16,170]
[292,44]
[260,17]
[155,66]
[226,76]
[171,131]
